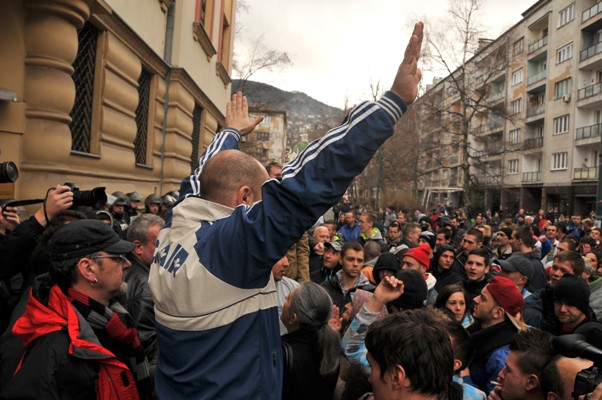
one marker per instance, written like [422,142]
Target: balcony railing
[538,44]
[588,131]
[589,91]
[533,143]
[534,176]
[540,76]
[590,51]
[496,96]
[492,178]
[539,109]
[591,12]
[492,124]
[581,174]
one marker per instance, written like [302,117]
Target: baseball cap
[506,294]
[517,263]
[87,236]
[336,246]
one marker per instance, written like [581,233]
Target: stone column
[51,40]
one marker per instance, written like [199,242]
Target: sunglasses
[119,258]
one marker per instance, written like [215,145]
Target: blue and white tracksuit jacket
[215,298]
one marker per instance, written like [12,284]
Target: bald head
[231,178]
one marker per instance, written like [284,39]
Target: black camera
[8,172]
[95,198]
[576,346]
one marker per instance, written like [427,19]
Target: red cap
[506,294]
[421,254]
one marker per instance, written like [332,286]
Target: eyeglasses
[119,258]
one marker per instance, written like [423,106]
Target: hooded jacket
[64,358]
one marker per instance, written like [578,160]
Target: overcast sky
[339,47]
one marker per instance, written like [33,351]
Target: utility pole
[379,169]
[599,193]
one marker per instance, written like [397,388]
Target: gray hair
[138,229]
[313,307]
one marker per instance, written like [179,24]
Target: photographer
[17,246]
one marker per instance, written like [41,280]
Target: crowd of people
[252,282]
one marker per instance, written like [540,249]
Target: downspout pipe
[169,31]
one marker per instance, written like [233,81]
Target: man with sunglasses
[81,343]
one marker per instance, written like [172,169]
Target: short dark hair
[462,343]
[562,227]
[575,259]
[355,246]
[64,272]
[444,231]
[571,243]
[409,228]
[535,350]
[418,341]
[271,164]
[482,253]
[476,233]
[394,224]
[588,240]
[526,235]
[550,379]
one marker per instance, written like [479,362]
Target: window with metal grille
[83,77]
[196,136]
[141,140]
[202,5]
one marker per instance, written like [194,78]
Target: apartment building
[534,138]
[268,142]
[122,94]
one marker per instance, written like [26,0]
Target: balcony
[588,132]
[540,76]
[536,110]
[492,125]
[533,143]
[589,91]
[492,178]
[583,174]
[590,51]
[538,44]
[534,176]
[496,96]
[591,12]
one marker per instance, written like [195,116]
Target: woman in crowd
[453,299]
[311,348]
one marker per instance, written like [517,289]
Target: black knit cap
[87,236]
[414,290]
[386,262]
[574,292]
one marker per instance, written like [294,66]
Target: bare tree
[464,102]
[258,58]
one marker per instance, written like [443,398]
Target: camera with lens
[95,198]
[575,346]
[8,172]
